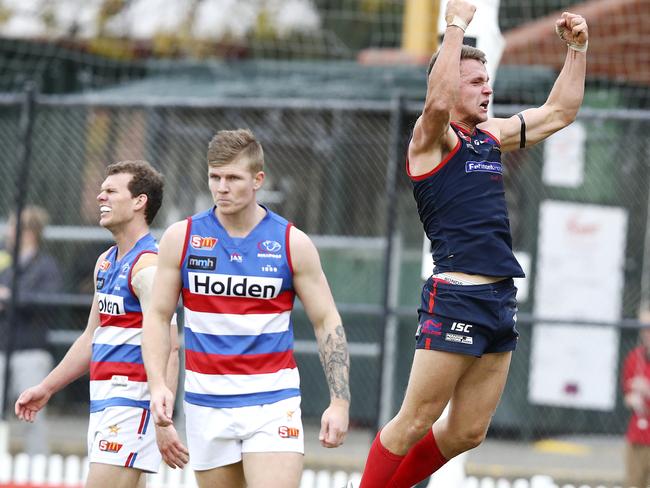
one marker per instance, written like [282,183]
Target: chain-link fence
[336,170]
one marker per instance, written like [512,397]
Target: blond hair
[229,145]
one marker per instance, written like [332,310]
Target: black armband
[522,134]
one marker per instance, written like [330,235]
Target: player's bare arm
[173,451]
[156,342]
[432,136]
[142,281]
[314,292]
[563,103]
[171,378]
[142,278]
[74,365]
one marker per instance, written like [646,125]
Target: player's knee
[470,438]
[412,424]
[418,426]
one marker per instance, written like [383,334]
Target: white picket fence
[535,482]
[57,471]
[71,471]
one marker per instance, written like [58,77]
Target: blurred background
[332,88]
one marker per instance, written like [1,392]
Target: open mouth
[484,105]
[104,209]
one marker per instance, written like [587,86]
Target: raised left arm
[313,290]
[565,99]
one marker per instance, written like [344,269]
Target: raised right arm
[432,136]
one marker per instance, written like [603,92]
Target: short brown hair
[228,145]
[466,52]
[146,180]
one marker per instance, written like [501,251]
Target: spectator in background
[636,390]
[39,273]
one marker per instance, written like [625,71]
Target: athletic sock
[422,460]
[380,466]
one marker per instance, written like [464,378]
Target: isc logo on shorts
[110,304]
[288,432]
[109,446]
[234,286]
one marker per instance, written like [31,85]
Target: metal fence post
[22,181]
[391,267]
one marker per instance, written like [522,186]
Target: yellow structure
[420,28]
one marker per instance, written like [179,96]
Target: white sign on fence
[580,266]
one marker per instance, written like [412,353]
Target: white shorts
[123,436]
[218,436]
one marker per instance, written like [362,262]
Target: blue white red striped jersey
[237,296]
[117,375]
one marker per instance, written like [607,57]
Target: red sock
[380,466]
[422,460]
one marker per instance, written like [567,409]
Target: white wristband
[458,22]
[581,48]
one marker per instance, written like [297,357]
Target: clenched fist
[572,29]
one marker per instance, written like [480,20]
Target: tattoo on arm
[334,356]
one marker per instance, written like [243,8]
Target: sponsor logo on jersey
[288,432]
[483,167]
[113,429]
[200,242]
[124,271]
[100,283]
[269,246]
[234,285]
[205,263]
[236,258]
[109,446]
[269,255]
[269,249]
[105,265]
[110,304]
[119,380]
[459,338]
